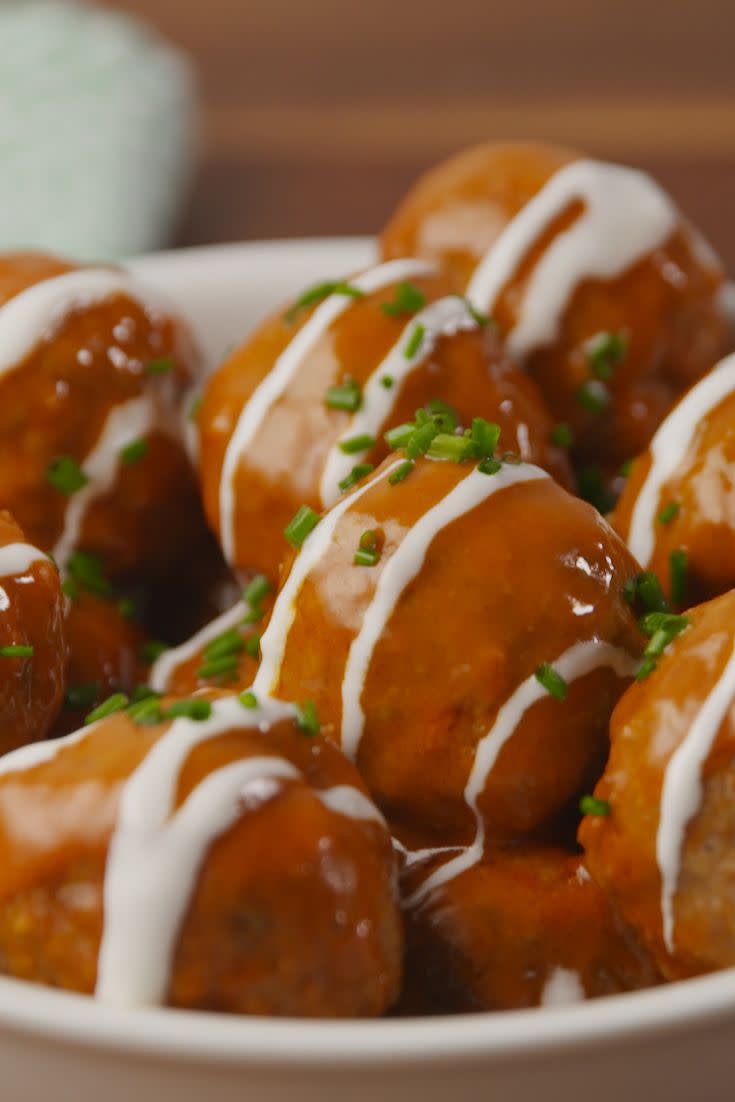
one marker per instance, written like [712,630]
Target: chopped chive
[228,643]
[70,589]
[360,470]
[65,475]
[17,650]
[368,540]
[359,443]
[249,700]
[591,805]
[146,712]
[194,408]
[302,524]
[320,291]
[407,299]
[593,489]
[346,396]
[456,448]
[252,645]
[152,650]
[562,435]
[399,436]
[126,608]
[134,452]
[387,382]
[445,415]
[678,569]
[401,472]
[223,666]
[307,719]
[593,396]
[368,552]
[653,622]
[118,702]
[485,435]
[257,589]
[196,709]
[143,692]
[552,681]
[88,572]
[605,352]
[625,468]
[645,590]
[669,512]
[421,438]
[647,666]
[77,697]
[476,315]
[414,342]
[162,366]
[489,466]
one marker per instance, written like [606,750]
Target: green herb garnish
[65,475]
[591,805]
[346,396]
[360,443]
[368,552]
[196,709]
[402,471]
[669,512]
[303,523]
[605,352]
[414,342]
[318,293]
[17,650]
[594,489]
[593,396]
[146,712]
[152,650]
[162,366]
[249,700]
[118,702]
[678,571]
[77,697]
[88,572]
[134,452]
[644,591]
[360,470]
[407,299]
[562,435]
[552,681]
[307,719]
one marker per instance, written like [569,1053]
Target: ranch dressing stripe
[576,662]
[626,216]
[400,570]
[277,380]
[315,546]
[124,424]
[681,792]
[669,447]
[444,318]
[169,661]
[18,558]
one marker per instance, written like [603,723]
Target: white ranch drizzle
[681,791]
[277,380]
[626,216]
[159,677]
[443,318]
[668,449]
[124,424]
[563,988]
[403,566]
[344,799]
[18,558]
[273,642]
[578,661]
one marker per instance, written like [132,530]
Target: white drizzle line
[162,670]
[18,558]
[626,216]
[399,572]
[443,318]
[124,424]
[578,661]
[345,799]
[563,988]
[32,314]
[277,380]
[681,791]
[273,642]
[668,449]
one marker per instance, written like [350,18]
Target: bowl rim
[33,1010]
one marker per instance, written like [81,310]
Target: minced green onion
[422,438]
[359,443]
[485,435]
[552,681]
[593,396]
[162,366]
[307,719]
[387,381]
[228,643]
[678,570]
[402,471]
[257,589]
[88,572]
[225,665]
[645,590]
[252,645]
[118,702]
[134,452]
[249,700]
[320,291]
[647,666]
[562,435]
[65,475]
[368,552]
[146,712]
[399,436]
[302,524]
[476,315]
[605,352]
[17,650]
[489,466]
[152,650]
[143,692]
[414,342]
[346,396]
[196,709]
[360,470]
[447,446]
[591,805]
[407,299]
[669,512]
[77,697]
[70,589]
[593,489]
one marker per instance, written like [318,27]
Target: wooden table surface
[317,114]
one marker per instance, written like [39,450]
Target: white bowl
[672,1044]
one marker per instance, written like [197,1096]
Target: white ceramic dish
[674,1044]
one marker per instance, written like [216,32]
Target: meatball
[602,290]
[677,510]
[223,859]
[660,843]
[32,642]
[436,616]
[92,374]
[299,412]
[525,927]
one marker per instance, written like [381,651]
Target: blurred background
[317,114]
